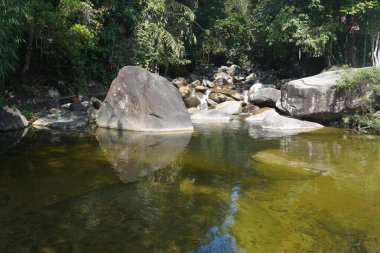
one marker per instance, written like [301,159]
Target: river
[224,188]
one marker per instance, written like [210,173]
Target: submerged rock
[276,164]
[11,119]
[141,101]
[62,120]
[135,154]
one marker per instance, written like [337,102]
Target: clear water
[225,188]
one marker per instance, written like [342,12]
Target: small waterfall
[204,105]
[246,97]
[193,93]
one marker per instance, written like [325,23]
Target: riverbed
[227,187]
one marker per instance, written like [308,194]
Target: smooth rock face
[275,121]
[11,119]
[316,97]
[62,120]
[230,107]
[211,115]
[258,118]
[141,101]
[134,155]
[265,97]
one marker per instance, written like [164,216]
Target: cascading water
[245,96]
[203,105]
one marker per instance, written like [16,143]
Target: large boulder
[141,101]
[316,97]
[265,97]
[11,119]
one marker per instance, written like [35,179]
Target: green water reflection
[225,188]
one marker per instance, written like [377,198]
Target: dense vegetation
[78,40]
[362,94]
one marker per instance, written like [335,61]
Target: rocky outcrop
[316,97]
[141,101]
[11,119]
[58,119]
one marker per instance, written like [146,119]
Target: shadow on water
[136,154]
[11,139]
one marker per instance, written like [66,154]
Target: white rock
[230,107]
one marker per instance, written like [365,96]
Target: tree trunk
[28,54]
[365,50]
[353,49]
[376,50]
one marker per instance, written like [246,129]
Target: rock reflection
[10,139]
[136,154]
[256,132]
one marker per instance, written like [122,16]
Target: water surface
[224,188]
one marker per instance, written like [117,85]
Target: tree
[161,34]
[12,14]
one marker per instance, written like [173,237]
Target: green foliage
[299,26]
[161,34]
[360,77]
[232,37]
[12,14]
[362,86]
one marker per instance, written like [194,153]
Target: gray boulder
[275,121]
[258,118]
[11,119]
[265,97]
[230,107]
[316,97]
[141,101]
[62,120]
[211,116]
